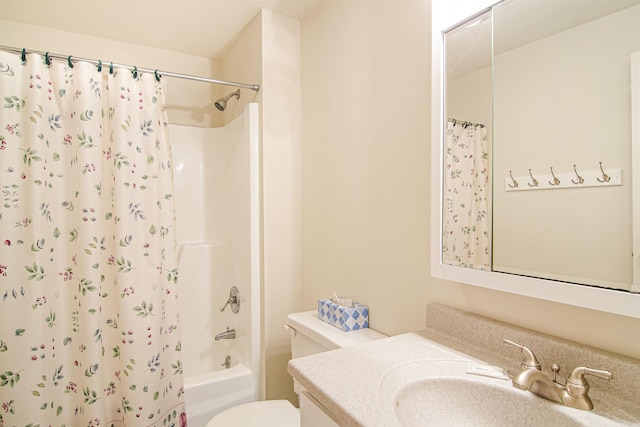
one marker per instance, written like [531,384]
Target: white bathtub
[209,394]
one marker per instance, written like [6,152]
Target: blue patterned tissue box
[344,318]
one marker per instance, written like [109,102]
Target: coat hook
[515,183]
[605,177]
[555,181]
[534,182]
[580,179]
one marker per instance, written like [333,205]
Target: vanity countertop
[347,381]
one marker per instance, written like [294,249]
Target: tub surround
[348,381]
[217,223]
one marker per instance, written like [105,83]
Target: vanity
[451,373]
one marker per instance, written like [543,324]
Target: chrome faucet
[229,334]
[574,391]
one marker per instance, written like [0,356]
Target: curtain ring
[605,177]
[23,56]
[47,60]
[111,68]
[515,183]
[157,75]
[555,181]
[99,66]
[69,61]
[534,183]
[580,179]
[135,72]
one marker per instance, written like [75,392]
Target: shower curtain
[88,273]
[465,239]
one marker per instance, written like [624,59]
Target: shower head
[221,103]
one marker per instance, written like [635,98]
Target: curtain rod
[132,68]
[464,123]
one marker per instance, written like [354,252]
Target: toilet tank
[310,335]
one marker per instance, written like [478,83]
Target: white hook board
[525,182]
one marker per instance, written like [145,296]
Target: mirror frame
[447,14]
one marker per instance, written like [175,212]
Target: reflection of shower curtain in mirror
[465,240]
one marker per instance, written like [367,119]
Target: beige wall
[365,158]
[281,192]
[365,179]
[243,63]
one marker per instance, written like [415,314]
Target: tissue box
[344,318]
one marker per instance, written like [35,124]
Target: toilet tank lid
[308,323]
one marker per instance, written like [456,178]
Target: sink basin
[457,401]
[441,393]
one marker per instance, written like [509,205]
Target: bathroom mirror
[535,173]
[558,83]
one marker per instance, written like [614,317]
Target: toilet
[309,335]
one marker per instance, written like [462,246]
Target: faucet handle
[530,361]
[577,375]
[233,300]
[578,388]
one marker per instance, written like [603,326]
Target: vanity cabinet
[313,414]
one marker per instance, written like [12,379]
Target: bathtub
[209,394]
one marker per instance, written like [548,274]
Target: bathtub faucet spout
[229,334]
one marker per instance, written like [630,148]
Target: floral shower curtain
[88,274]
[465,240]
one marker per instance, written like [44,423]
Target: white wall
[365,179]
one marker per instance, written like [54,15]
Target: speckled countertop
[358,384]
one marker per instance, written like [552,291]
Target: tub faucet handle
[233,300]
[227,362]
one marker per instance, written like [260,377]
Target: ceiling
[203,28]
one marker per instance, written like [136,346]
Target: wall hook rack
[573,179]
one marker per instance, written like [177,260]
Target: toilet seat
[265,413]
